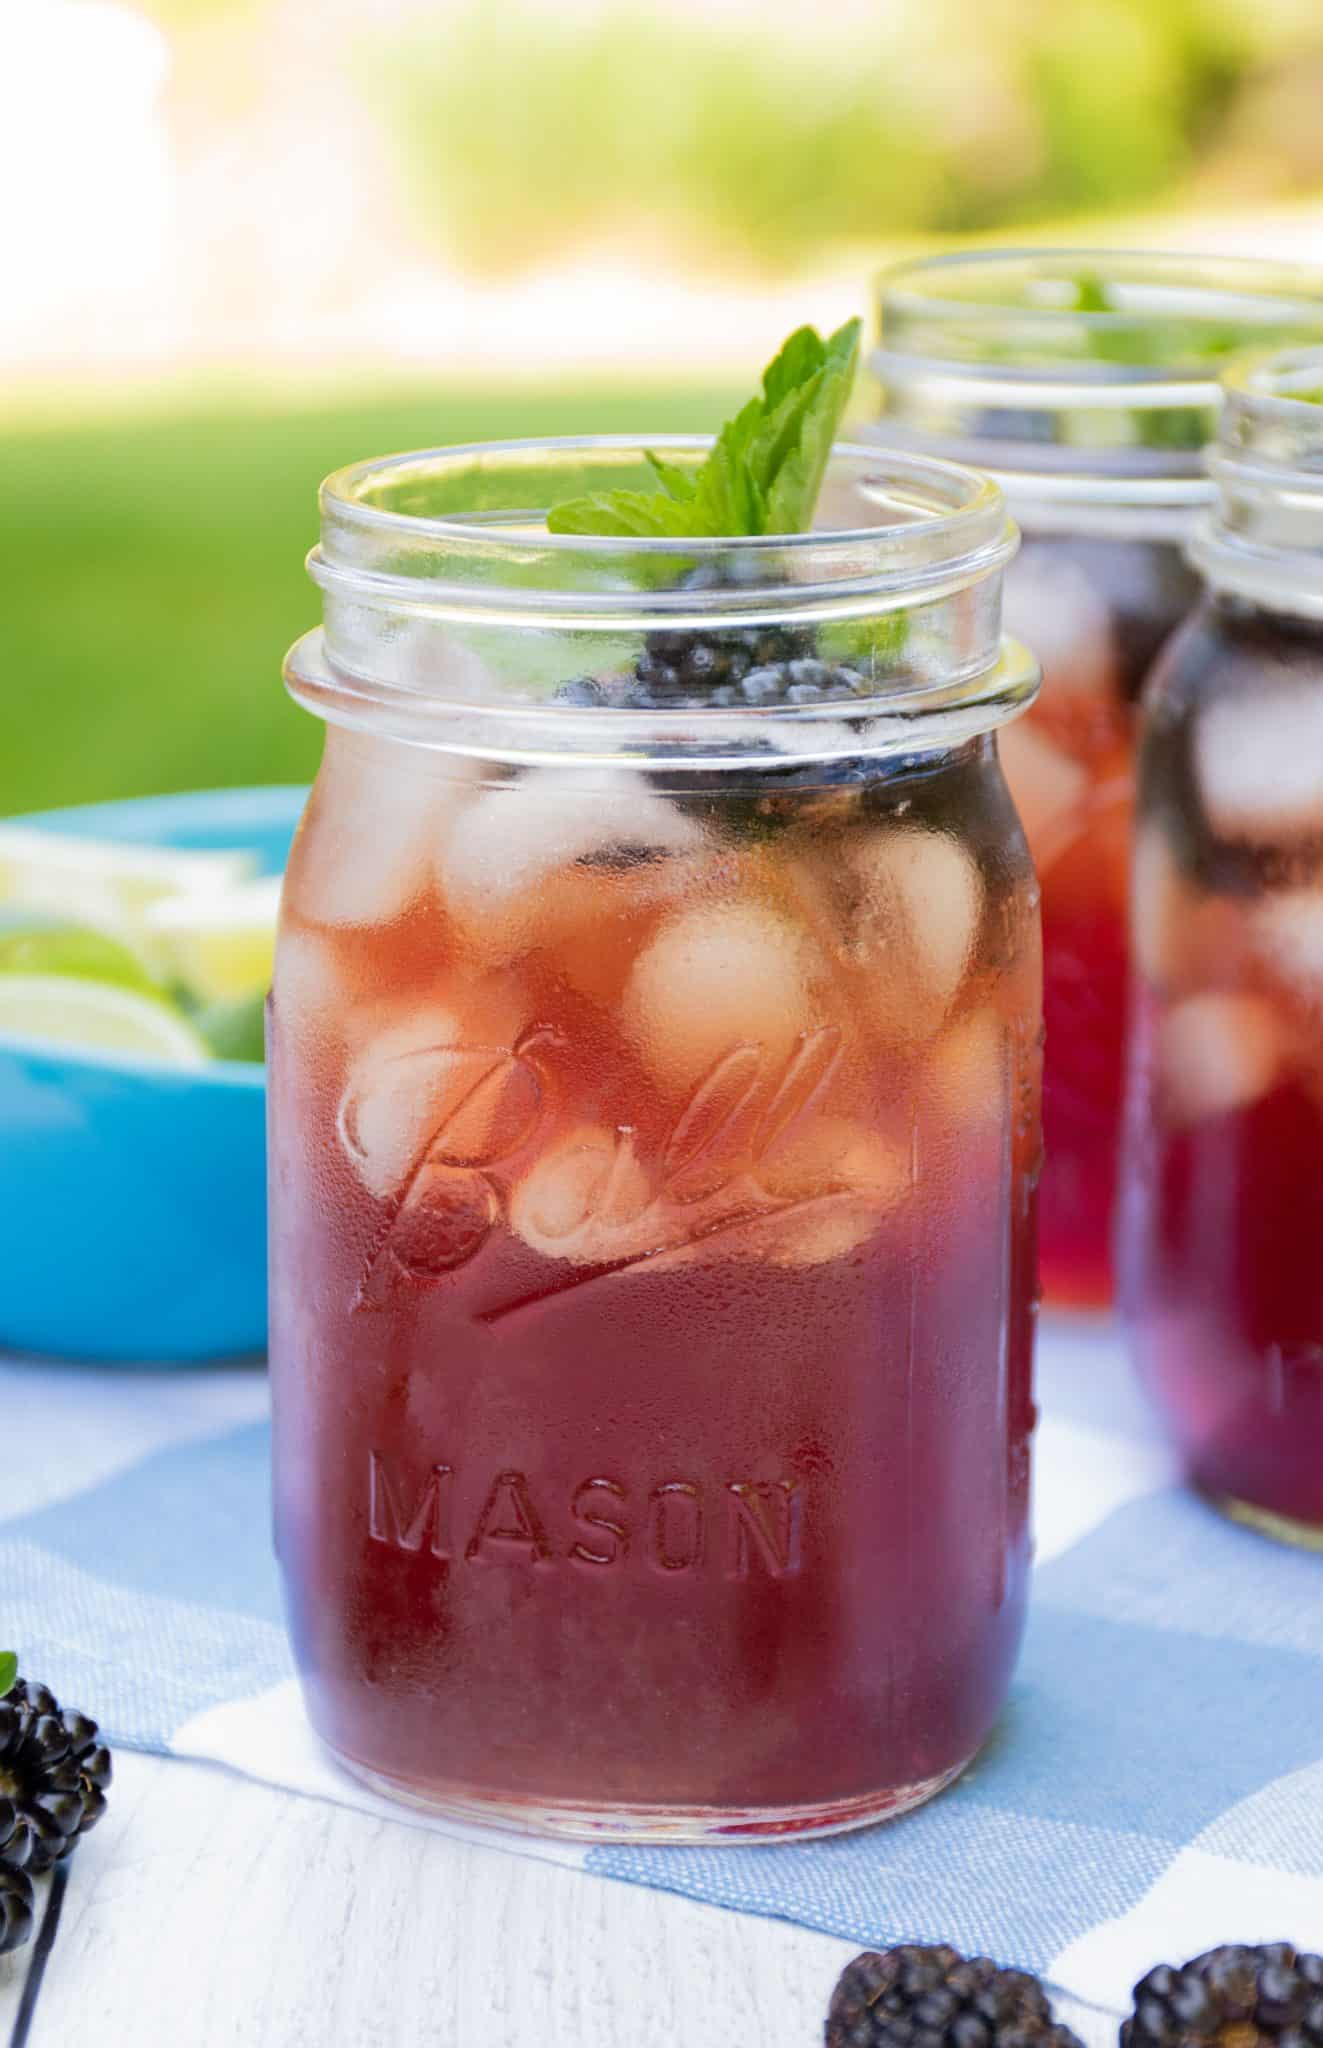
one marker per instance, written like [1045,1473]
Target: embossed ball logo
[753,1165]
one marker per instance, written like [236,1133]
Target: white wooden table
[211,1912]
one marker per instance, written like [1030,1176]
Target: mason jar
[654,1131]
[1222,1216]
[1086,382]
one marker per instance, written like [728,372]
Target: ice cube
[1184,938]
[1160,900]
[715,977]
[1259,761]
[1217,1053]
[1064,620]
[1049,787]
[503,850]
[808,1233]
[366,846]
[430,1087]
[1287,930]
[584,1198]
[311,991]
[827,1155]
[394,1097]
[918,920]
[831,1228]
[831,1182]
[972,1068]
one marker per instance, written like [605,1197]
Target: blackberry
[688,668]
[1248,1997]
[53,1775]
[916,1997]
[725,682]
[695,660]
[15,1899]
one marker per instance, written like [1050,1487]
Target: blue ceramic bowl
[133,1196]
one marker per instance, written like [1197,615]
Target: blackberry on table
[16,1901]
[916,1997]
[1235,1997]
[54,1769]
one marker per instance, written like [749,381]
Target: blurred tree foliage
[526,129]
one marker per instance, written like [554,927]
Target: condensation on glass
[1086,382]
[1222,1212]
[654,1133]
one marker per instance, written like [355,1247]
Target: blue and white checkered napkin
[1156,1785]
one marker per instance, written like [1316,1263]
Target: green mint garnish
[1158,338]
[8,1671]
[765,468]
[1091,296]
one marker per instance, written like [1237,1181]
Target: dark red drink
[1096,612]
[1222,1219]
[1229,1320]
[653,1434]
[1086,383]
[654,1139]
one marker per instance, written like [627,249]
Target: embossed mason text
[736,1527]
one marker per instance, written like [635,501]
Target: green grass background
[153,576]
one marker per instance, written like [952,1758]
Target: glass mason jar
[1085,381]
[1222,1213]
[654,1131]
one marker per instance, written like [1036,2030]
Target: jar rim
[994,357]
[962,501]
[1197,288]
[446,603]
[1263,538]
[1270,382]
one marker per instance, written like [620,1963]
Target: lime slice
[235,1031]
[34,942]
[101,881]
[220,945]
[96,1018]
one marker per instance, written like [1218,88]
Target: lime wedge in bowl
[38,942]
[105,882]
[235,1030]
[97,1017]
[219,943]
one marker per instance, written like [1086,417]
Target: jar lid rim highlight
[1203,288]
[929,510]
[1089,363]
[1262,540]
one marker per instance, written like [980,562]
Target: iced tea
[653,1148]
[1087,382]
[1222,1219]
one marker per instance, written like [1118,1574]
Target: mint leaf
[804,441]
[1091,296]
[676,482]
[727,496]
[765,469]
[8,1671]
[800,357]
[624,515]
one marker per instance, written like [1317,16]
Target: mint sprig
[765,469]
[8,1671]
